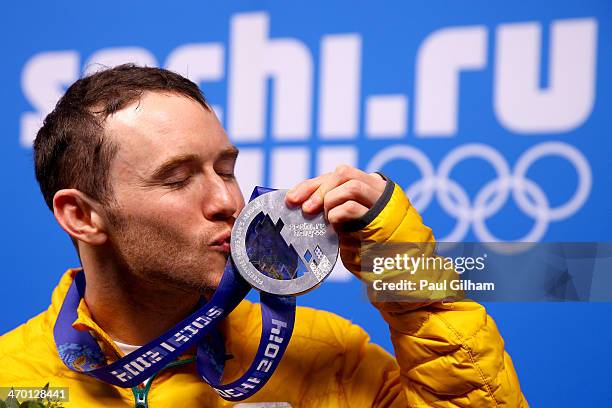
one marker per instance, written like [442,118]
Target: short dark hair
[71,150]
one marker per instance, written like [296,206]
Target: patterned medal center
[270,254]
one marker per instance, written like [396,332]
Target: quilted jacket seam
[471,355]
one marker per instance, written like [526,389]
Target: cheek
[159,235]
[179,218]
[169,206]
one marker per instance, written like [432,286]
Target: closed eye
[176,184]
[227,176]
[226,162]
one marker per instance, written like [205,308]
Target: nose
[221,199]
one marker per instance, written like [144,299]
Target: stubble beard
[149,250]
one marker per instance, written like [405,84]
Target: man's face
[175,192]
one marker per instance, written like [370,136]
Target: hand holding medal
[302,247]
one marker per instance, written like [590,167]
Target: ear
[80,216]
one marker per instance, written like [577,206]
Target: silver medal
[312,237]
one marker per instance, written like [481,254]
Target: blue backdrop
[493,116]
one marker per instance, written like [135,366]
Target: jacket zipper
[141,395]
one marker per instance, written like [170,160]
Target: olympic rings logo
[527,195]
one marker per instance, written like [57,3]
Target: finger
[301,191]
[350,210]
[341,175]
[352,190]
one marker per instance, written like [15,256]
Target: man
[139,172]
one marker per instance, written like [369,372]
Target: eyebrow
[229,153]
[171,164]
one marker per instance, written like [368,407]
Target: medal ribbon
[80,351]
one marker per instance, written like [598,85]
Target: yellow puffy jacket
[447,354]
